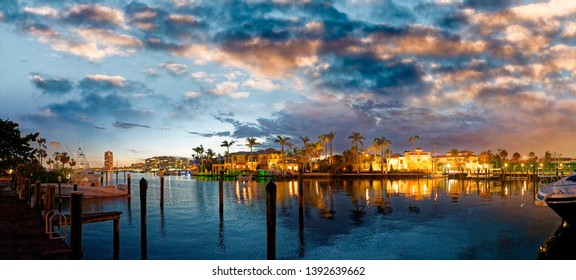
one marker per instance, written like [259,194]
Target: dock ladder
[62,224]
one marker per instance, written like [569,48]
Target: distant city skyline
[155,78]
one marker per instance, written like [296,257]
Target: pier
[22,232]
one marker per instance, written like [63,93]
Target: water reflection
[335,219]
[561,245]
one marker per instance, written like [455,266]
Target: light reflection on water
[345,219]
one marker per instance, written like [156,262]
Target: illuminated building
[108,161]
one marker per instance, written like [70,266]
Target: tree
[41,149]
[305,141]
[383,144]
[227,144]
[283,142]
[413,140]
[57,157]
[324,141]
[50,161]
[503,154]
[64,158]
[516,157]
[357,139]
[532,158]
[251,142]
[200,156]
[15,150]
[330,136]
[210,154]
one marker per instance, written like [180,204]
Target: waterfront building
[460,161]
[166,163]
[108,161]
[418,160]
[269,159]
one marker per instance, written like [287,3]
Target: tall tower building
[108,161]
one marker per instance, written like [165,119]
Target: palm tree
[50,162]
[330,137]
[227,144]
[305,140]
[383,144]
[57,158]
[210,154]
[41,148]
[64,158]
[357,139]
[72,163]
[413,140]
[324,141]
[200,155]
[283,142]
[251,143]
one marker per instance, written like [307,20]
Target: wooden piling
[161,188]
[75,188]
[143,219]
[221,191]
[271,220]
[129,183]
[76,223]
[116,239]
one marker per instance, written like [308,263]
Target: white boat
[89,183]
[245,176]
[560,196]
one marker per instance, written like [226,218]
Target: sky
[152,78]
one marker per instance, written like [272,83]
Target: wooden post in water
[116,239]
[76,224]
[271,220]
[143,219]
[129,183]
[221,191]
[162,188]
[75,188]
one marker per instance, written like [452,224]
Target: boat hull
[560,196]
[90,191]
[564,207]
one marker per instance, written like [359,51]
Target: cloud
[228,89]
[95,16]
[211,134]
[100,82]
[51,86]
[55,144]
[261,84]
[175,68]
[126,125]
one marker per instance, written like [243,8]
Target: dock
[22,232]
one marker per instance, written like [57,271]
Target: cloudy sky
[148,78]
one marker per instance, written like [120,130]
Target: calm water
[355,219]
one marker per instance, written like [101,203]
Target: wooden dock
[22,232]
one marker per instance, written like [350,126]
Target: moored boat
[560,196]
[89,183]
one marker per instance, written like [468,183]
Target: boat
[248,176]
[560,196]
[91,184]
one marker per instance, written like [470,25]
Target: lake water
[426,219]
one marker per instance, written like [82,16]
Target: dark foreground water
[356,219]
